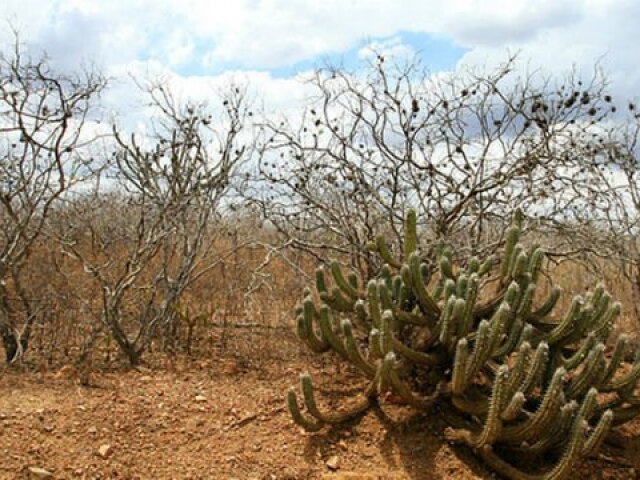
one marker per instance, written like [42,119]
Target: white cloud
[171,36]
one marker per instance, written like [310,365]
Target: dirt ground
[225,418]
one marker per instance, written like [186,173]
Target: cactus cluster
[528,380]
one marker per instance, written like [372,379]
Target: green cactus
[532,382]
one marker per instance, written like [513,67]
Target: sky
[269,44]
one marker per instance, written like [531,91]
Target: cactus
[531,380]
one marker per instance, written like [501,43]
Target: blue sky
[438,53]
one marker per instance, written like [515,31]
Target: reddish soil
[225,418]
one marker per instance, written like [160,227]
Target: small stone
[105,450]
[333,463]
[92,430]
[201,398]
[37,472]
[145,378]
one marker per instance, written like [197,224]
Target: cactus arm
[321,282]
[514,407]
[459,376]
[337,301]
[535,318]
[592,444]
[445,268]
[418,284]
[616,358]
[590,375]
[519,370]
[342,282]
[354,353]
[543,417]
[480,351]
[624,414]
[536,369]
[374,303]
[410,233]
[333,417]
[402,390]
[493,423]
[298,417]
[415,356]
[513,234]
[326,328]
[385,253]
[629,378]
[306,330]
[561,470]
[581,354]
[470,298]
[567,325]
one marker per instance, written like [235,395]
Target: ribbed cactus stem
[547,412]
[449,288]
[519,370]
[561,470]
[591,374]
[474,265]
[446,270]
[493,423]
[581,354]
[470,300]
[549,304]
[514,407]
[565,327]
[480,350]
[329,417]
[617,356]
[362,316]
[512,296]
[513,235]
[321,282]
[629,378]
[536,369]
[524,308]
[374,344]
[535,263]
[306,330]
[298,417]
[461,285]
[486,266]
[373,301]
[386,332]
[600,432]
[337,301]
[459,377]
[354,353]
[410,233]
[344,285]
[385,252]
[520,265]
[496,328]
[419,286]
[386,300]
[327,329]
[446,323]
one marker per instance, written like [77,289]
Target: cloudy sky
[269,42]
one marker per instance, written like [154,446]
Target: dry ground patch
[225,418]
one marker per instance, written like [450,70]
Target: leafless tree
[43,115]
[465,149]
[159,229]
